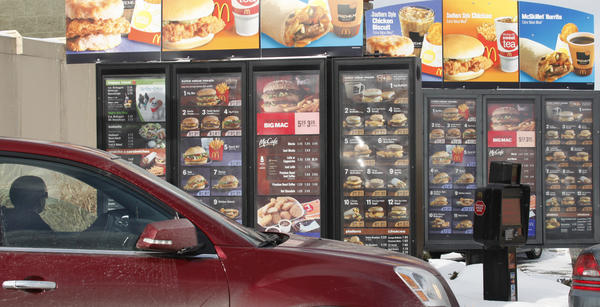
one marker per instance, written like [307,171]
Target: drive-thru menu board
[568,169]
[135,120]
[288,155]
[452,168]
[375,170]
[210,140]
[511,137]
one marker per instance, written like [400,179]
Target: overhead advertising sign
[557,44]
[117,30]
[412,29]
[481,41]
[301,27]
[207,28]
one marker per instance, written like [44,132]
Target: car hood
[353,251]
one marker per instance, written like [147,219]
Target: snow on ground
[538,280]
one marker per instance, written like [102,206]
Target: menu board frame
[276,66]
[196,69]
[595,157]
[414,90]
[130,71]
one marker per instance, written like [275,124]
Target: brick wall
[33,18]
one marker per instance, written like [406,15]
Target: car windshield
[251,235]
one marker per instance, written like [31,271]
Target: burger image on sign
[189,24]
[280,96]
[463,58]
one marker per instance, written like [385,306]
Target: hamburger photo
[280,96]
[463,57]
[398,120]
[441,158]
[94,24]
[437,134]
[469,133]
[353,182]
[372,95]
[195,155]
[210,122]
[439,201]
[353,121]
[362,150]
[189,24]
[195,183]
[207,97]
[189,123]
[453,133]
[504,118]
[584,134]
[374,183]
[451,114]
[441,178]
[552,179]
[388,95]
[552,134]
[398,212]
[375,120]
[465,178]
[227,182]
[375,212]
[568,134]
[231,122]
[566,116]
[559,156]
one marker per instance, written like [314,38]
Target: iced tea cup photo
[581,45]
[458,153]
[507,38]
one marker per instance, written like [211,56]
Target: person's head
[28,193]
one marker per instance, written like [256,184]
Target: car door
[88,256]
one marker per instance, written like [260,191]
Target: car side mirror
[168,236]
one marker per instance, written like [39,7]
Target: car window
[53,205]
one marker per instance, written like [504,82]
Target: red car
[82,227]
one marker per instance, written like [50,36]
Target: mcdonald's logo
[491,53]
[156,39]
[439,72]
[219,9]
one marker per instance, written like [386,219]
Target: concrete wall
[33,18]
[41,97]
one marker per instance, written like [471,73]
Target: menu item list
[210,138]
[511,138]
[288,152]
[375,162]
[452,168]
[568,176]
[135,120]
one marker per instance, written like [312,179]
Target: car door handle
[28,285]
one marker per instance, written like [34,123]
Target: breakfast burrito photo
[294,23]
[543,63]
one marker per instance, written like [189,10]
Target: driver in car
[28,194]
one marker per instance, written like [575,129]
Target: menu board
[568,169]
[511,138]
[452,168]
[375,169]
[135,120]
[210,140]
[288,155]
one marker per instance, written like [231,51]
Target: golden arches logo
[491,53]
[439,72]
[156,39]
[220,9]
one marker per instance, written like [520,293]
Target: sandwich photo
[227,182]
[398,212]
[372,95]
[568,180]
[230,212]
[464,224]
[552,134]
[391,151]
[541,62]
[568,200]
[190,123]
[375,212]
[580,156]
[437,134]
[353,182]
[280,96]
[558,156]
[189,24]
[294,23]
[398,120]
[94,24]
[441,178]
[552,202]
[453,133]
[231,122]
[388,95]
[439,223]
[375,120]
[353,121]
[566,116]
[584,180]
[352,214]
[552,179]
[505,118]
[396,183]
[374,183]
[585,200]
[465,202]
[463,57]
[584,134]
[210,122]
[451,114]
[439,201]
[207,97]
[390,45]
[362,150]
[195,155]
[469,133]
[195,183]
[441,158]
[465,178]
[552,223]
[354,239]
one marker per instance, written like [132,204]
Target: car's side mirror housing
[168,236]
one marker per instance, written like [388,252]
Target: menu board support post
[289,124]
[374,170]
